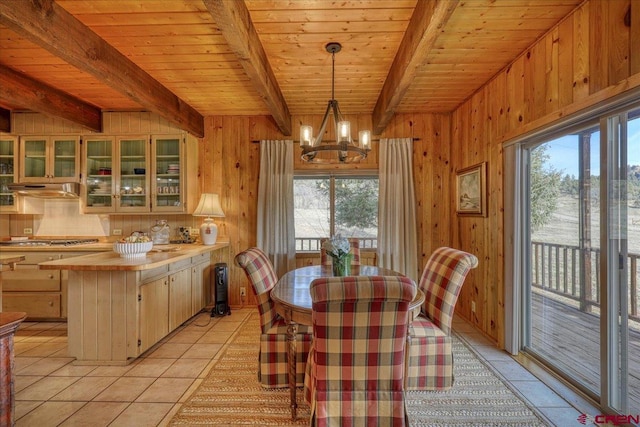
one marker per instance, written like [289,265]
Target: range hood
[67,190]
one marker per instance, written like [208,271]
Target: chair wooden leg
[292,332]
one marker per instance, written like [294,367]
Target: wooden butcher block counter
[120,307]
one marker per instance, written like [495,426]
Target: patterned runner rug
[232,396]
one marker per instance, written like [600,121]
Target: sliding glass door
[581,193]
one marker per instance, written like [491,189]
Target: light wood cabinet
[117,314]
[200,285]
[179,298]
[35,292]
[39,293]
[153,319]
[138,174]
[50,158]
[8,165]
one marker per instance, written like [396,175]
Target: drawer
[35,305]
[35,257]
[201,258]
[146,275]
[29,279]
[179,265]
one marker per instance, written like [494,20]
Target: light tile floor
[53,391]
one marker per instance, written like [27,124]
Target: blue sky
[563,151]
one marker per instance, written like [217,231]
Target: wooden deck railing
[556,269]
[312,244]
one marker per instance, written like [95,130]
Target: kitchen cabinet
[138,174]
[179,298]
[49,159]
[116,178]
[200,283]
[154,306]
[119,308]
[8,166]
[39,293]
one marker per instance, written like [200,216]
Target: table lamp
[209,206]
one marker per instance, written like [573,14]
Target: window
[581,246]
[328,205]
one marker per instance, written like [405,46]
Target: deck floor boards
[572,336]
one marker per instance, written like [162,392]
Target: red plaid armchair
[430,354]
[355,251]
[355,370]
[273,371]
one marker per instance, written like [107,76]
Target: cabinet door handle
[51,276]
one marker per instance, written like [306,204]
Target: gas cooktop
[47,242]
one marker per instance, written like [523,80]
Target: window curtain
[397,231]
[275,226]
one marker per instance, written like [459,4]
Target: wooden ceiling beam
[234,21]
[5,120]
[26,92]
[428,18]
[56,30]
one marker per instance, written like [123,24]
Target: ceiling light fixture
[343,149]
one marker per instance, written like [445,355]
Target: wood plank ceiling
[186,59]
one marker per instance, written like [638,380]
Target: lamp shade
[209,206]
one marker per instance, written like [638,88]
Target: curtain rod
[256,141]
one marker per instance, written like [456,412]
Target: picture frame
[471,190]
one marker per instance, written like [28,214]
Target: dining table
[292,301]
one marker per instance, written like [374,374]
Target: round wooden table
[293,302]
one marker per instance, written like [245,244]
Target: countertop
[111,261]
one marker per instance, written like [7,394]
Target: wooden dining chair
[273,371]
[355,251]
[355,370]
[430,349]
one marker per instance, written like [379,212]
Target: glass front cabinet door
[8,163]
[133,186]
[99,185]
[49,159]
[116,175]
[168,189]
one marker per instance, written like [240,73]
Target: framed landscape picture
[471,190]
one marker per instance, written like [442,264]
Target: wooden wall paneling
[538,70]
[581,53]
[552,70]
[515,93]
[423,153]
[565,63]
[617,33]
[598,46]
[634,39]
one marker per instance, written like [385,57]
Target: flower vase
[342,266]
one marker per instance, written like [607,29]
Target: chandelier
[343,149]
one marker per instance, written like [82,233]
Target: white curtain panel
[397,231]
[276,230]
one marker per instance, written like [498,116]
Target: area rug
[232,396]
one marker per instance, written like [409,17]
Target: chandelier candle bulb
[345,131]
[306,133]
[364,138]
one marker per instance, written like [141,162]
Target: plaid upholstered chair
[355,250]
[273,371]
[430,350]
[355,370]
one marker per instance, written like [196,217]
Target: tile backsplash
[62,218]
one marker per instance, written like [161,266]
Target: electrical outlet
[243,291]
[117,232]
[194,231]
[473,306]
[27,231]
